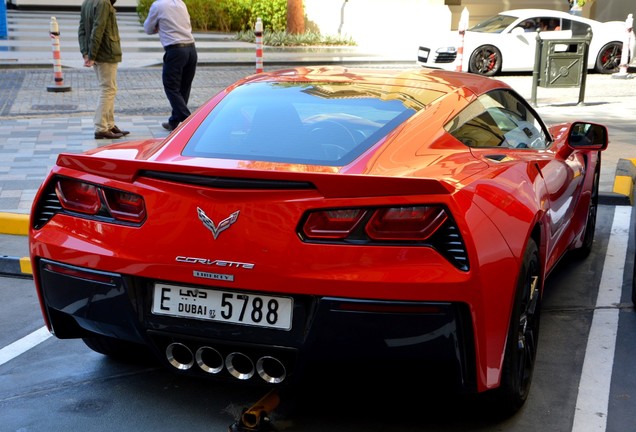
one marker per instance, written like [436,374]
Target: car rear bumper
[82,302]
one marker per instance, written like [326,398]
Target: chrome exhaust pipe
[239,366]
[271,369]
[209,360]
[179,356]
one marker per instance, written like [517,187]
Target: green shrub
[240,16]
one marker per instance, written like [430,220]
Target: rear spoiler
[329,184]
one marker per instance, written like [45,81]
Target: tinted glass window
[579,29]
[496,24]
[308,123]
[499,119]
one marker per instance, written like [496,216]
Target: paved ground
[37,124]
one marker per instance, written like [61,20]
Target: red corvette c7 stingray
[324,214]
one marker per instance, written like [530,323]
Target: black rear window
[306,123]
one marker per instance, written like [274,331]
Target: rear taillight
[87,198]
[405,223]
[124,205]
[332,224]
[412,224]
[78,196]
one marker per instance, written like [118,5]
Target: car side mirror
[517,31]
[588,136]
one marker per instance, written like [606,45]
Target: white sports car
[507,42]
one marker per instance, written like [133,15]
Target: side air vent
[48,206]
[226,182]
[448,242]
[496,157]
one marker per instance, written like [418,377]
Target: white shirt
[169,18]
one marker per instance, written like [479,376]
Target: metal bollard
[629,24]
[57,61]
[258,32]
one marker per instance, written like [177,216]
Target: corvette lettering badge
[223,225]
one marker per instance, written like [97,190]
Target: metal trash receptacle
[561,63]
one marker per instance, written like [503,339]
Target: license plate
[223,306]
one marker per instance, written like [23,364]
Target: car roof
[526,13]
[426,78]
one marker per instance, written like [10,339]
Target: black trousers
[179,67]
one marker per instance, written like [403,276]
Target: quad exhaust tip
[239,365]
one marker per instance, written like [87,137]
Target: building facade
[396,25]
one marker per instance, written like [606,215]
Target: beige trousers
[105,112]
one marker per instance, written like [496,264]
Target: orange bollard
[258,32]
[463,25]
[59,86]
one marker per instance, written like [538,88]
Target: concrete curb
[15,224]
[625,178]
[15,266]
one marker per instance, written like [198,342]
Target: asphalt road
[61,385]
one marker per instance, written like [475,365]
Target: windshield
[495,24]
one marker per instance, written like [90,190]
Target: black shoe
[107,135]
[167,126]
[116,130]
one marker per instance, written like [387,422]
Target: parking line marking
[20,346]
[592,402]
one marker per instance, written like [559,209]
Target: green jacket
[98,32]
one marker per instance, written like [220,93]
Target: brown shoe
[116,130]
[107,135]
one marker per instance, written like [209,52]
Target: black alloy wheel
[609,58]
[590,226]
[523,336]
[485,60]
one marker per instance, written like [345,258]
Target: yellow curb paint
[25,265]
[624,185]
[14,223]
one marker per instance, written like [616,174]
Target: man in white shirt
[170,18]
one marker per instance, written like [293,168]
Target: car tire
[125,351]
[590,226]
[485,60]
[608,59]
[523,336]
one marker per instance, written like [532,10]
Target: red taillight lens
[412,224]
[332,224]
[125,206]
[405,223]
[87,198]
[78,196]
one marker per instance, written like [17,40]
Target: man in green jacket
[101,47]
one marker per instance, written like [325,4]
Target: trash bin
[561,63]
[4,31]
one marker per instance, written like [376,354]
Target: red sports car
[324,214]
